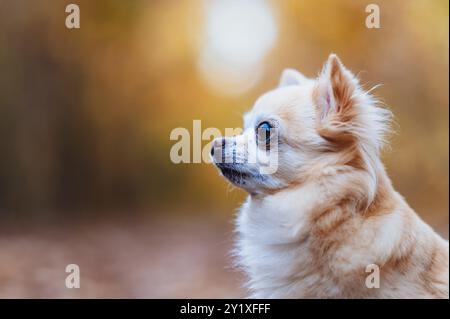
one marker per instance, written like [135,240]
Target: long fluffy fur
[334,212]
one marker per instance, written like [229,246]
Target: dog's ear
[335,91]
[291,77]
[335,99]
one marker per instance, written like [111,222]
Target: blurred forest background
[86,114]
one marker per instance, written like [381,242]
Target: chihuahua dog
[326,222]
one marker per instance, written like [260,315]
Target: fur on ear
[336,89]
[336,101]
[291,77]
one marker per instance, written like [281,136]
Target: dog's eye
[265,126]
[263,133]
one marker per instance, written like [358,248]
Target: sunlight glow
[237,36]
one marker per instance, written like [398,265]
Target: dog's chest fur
[290,251]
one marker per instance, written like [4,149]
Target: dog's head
[303,129]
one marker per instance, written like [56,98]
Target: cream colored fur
[311,229]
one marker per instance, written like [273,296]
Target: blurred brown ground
[138,258]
